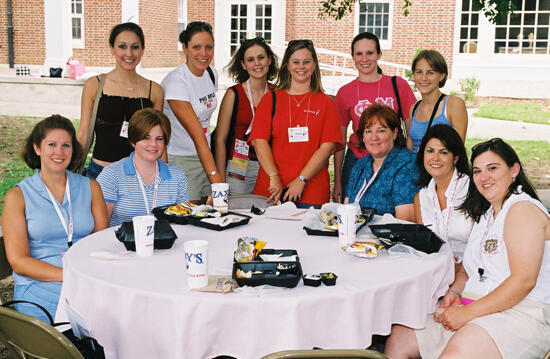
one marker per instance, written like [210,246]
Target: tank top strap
[444,108]
[150,85]
[416,107]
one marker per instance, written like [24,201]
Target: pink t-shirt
[353,98]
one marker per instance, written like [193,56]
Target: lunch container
[312,282]
[158,212]
[328,278]
[415,235]
[288,277]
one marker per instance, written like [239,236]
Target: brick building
[48,32]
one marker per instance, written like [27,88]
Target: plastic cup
[196,261]
[220,193]
[144,235]
[347,230]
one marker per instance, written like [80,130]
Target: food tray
[289,279]
[164,235]
[415,235]
[367,214]
[196,221]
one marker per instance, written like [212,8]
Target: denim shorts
[93,170]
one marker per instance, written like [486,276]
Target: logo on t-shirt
[490,247]
[363,104]
[208,100]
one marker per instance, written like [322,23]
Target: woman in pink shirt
[371,86]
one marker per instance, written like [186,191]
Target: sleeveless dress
[47,237]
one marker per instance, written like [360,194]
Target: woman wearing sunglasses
[189,101]
[293,144]
[252,66]
[370,86]
[499,303]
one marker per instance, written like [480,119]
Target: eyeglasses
[302,41]
[256,39]
[200,24]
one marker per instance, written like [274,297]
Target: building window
[376,16]
[469,26]
[525,31]
[77,22]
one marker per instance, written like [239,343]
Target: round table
[142,307]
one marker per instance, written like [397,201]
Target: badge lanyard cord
[140,181]
[69,230]
[488,227]
[446,236]
[365,186]
[251,101]
[377,96]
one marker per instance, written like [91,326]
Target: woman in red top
[252,66]
[293,146]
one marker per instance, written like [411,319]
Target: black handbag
[87,346]
[55,71]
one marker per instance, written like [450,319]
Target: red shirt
[320,115]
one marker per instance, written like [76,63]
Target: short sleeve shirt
[120,186]
[181,84]
[394,185]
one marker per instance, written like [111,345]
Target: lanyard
[140,181]
[251,101]
[436,212]
[68,231]
[365,187]
[306,111]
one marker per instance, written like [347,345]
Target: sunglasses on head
[256,39]
[302,41]
[490,143]
[201,24]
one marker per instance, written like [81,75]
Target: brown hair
[386,117]
[284,79]
[436,62]
[144,120]
[39,132]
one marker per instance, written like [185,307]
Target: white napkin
[223,221]
[110,255]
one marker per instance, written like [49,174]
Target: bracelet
[458,294]
[273,174]
[213,173]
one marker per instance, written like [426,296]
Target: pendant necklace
[298,102]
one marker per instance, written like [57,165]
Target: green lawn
[526,112]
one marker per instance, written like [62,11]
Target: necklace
[298,102]
[306,111]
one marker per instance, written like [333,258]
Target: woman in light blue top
[140,182]
[430,74]
[48,212]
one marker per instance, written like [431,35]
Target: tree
[495,10]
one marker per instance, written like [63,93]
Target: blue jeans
[306,206]
[44,293]
[349,161]
[93,170]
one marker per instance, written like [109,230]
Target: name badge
[475,289]
[124,129]
[239,162]
[298,134]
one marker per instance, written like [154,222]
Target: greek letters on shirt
[208,100]
[491,246]
[363,104]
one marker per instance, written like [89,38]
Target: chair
[5,268]
[28,337]
[329,353]
[245,201]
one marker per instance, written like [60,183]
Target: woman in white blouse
[444,178]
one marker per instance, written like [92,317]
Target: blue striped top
[120,185]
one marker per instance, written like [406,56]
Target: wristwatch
[302,178]
[213,173]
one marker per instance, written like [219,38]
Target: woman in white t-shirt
[189,101]
[443,175]
[499,303]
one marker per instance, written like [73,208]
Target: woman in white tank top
[499,304]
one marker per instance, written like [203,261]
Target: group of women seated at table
[497,229]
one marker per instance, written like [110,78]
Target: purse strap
[12,302]
[441,97]
[93,117]
[399,111]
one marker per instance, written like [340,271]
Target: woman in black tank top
[124,92]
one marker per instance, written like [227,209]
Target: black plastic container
[164,235]
[415,235]
[158,212]
[288,278]
[312,282]
[328,278]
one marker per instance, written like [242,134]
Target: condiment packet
[363,249]
[218,284]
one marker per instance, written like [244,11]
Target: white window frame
[182,18]
[384,44]
[78,43]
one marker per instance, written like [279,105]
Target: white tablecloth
[142,307]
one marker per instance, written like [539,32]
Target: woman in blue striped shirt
[140,182]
